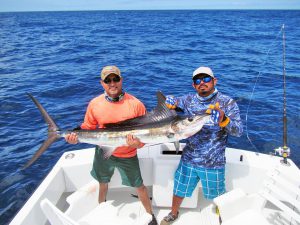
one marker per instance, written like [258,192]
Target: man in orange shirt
[113,106]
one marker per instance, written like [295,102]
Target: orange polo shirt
[100,112]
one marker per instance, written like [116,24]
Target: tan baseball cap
[107,70]
[203,70]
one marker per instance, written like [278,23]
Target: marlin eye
[190,119]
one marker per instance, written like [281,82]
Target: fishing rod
[285,150]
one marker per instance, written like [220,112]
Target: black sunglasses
[115,79]
[207,79]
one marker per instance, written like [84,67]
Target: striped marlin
[161,125]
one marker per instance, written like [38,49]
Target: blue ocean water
[57,57]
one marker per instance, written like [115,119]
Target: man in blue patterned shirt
[203,157]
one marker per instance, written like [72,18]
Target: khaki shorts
[129,169]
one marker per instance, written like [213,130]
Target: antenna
[285,150]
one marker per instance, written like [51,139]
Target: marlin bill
[161,125]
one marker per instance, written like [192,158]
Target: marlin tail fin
[52,133]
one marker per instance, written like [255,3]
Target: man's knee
[141,188]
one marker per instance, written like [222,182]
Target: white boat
[261,189]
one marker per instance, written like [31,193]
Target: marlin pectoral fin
[107,151]
[177,146]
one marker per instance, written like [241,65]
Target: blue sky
[54,5]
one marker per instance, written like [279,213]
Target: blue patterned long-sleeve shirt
[207,147]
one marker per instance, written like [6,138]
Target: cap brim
[202,74]
[104,76]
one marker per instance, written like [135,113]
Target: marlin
[161,125]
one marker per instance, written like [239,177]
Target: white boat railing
[279,188]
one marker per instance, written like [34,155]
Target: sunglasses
[115,79]
[204,79]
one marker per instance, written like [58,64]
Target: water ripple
[57,57]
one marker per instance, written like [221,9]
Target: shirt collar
[204,99]
[116,99]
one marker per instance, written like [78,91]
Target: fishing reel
[284,152]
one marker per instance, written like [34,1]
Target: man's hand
[133,142]
[71,138]
[171,102]
[218,115]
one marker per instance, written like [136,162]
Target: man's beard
[206,92]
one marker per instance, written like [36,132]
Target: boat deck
[128,205]
[204,214]
[125,199]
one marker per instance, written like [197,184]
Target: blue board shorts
[187,177]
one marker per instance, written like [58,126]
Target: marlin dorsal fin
[161,111]
[159,114]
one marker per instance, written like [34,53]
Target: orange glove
[171,102]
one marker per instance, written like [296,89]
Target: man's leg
[103,187]
[144,198]
[185,182]
[176,202]
[213,182]
[102,171]
[173,215]
[131,176]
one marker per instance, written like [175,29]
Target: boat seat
[248,217]
[83,201]
[280,189]
[54,215]
[104,214]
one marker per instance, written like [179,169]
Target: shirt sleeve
[141,109]
[181,102]
[90,123]
[235,126]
